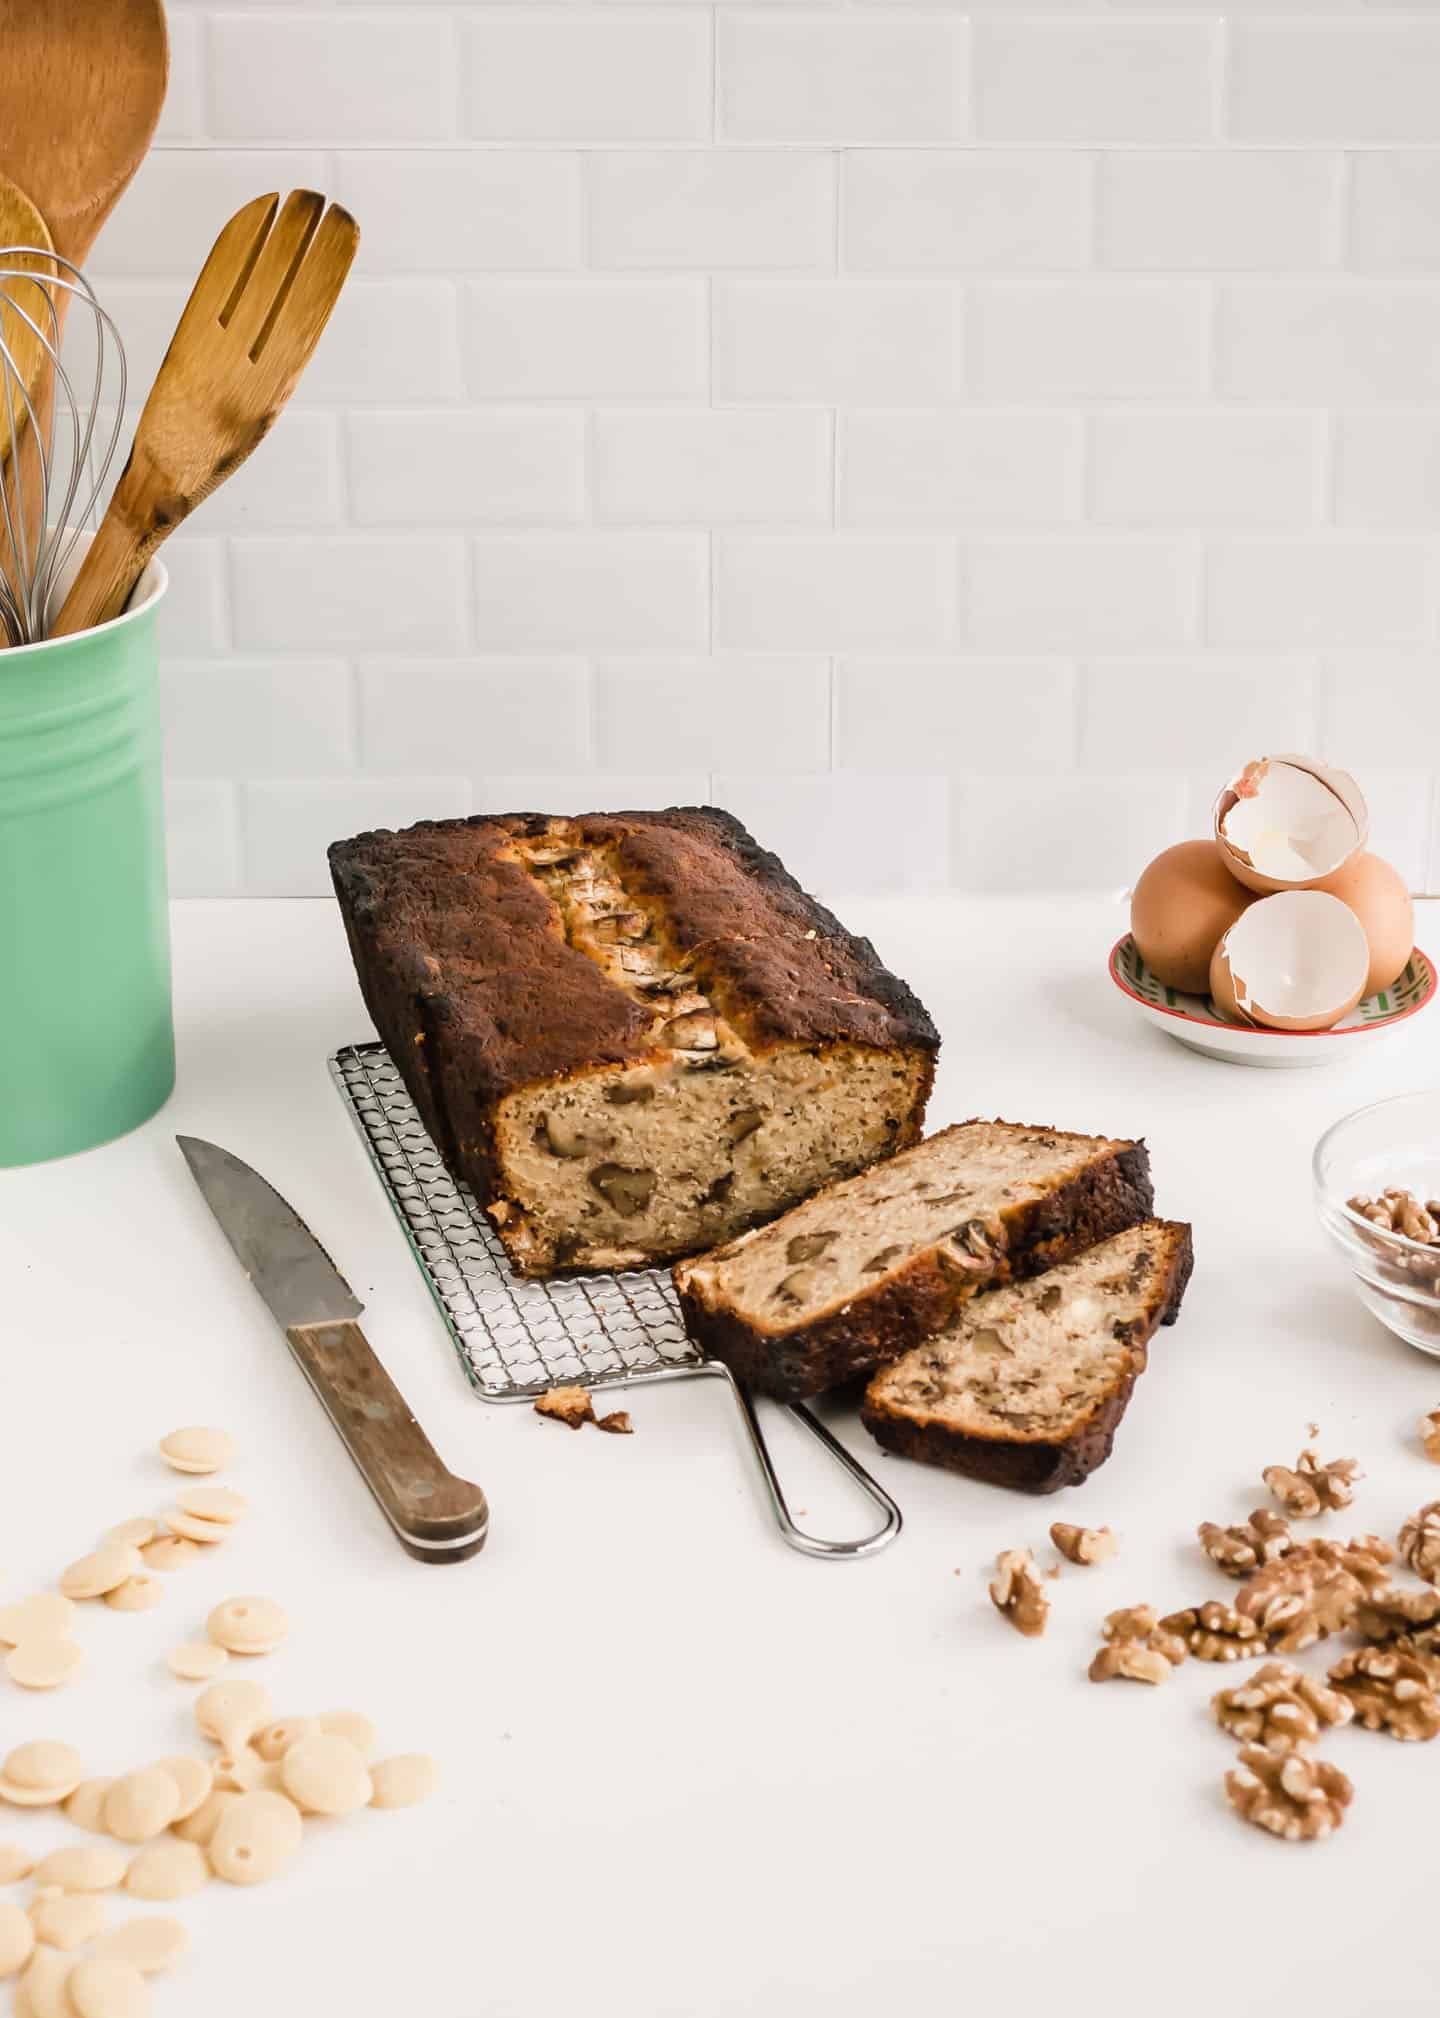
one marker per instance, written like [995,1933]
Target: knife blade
[436,1516]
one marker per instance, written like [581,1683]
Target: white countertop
[688,1771]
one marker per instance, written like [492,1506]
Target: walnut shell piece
[1016,1592]
[1216,1632]
[1280,1707]
[1420,1542]
[1313,1488]
[1390,1691]
[1264,1538]
[1084,1545]
[1294,1796]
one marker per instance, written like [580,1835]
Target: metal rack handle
[808,1544]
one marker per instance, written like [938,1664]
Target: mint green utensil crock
[87,1048]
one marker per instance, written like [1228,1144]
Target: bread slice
[864,1270]
[1026,1387]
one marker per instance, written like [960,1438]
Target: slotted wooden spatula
[246,334]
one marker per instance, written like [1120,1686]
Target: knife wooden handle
[438,1517]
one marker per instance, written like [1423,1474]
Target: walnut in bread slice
[1026,1386]
[869,1267]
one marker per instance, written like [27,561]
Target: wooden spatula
[245,336]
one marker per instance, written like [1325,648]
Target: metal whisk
[56,432]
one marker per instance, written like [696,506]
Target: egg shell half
[1294,961]
[1289,822]
[1377,895]
[1182,906]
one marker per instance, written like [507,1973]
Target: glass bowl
[1394,1145]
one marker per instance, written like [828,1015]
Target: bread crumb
[617,1423]
[571,1405]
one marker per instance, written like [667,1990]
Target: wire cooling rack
[516,1337]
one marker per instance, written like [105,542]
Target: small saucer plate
[1195,1021]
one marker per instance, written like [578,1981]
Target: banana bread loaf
[1026,1386]
[867,1269]
[633,1035]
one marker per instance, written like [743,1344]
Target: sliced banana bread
[863,1271]
[1025,1387]
[632,1034]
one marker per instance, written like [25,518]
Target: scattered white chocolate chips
[248,1625]
[140,1593]
[324,1775]
[84,1867]
[256,1839]
[67,1919]
[197,1450]
[141,1804]
[403,1782]
[41,1663]
[169,1552]
[197,1660]
[44,1766]
[107,1990]
[149,1945]
[100,1572]
[193,1528]
[166,1870]
[213,1503]
[45,1616]
[133,1533]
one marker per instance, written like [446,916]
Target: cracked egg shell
[1289,823]
[1378,896]
[1182,906]
[1295,961]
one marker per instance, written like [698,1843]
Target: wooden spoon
[246,334]
[81,86]
[25,366]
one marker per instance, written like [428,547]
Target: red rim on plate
[1419,975]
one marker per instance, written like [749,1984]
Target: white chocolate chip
[86,1806]
[325,1775]
[46,1764]
[17,1939]
[195,1529]
[95,1574]
[15,1863]
[107,1990]
[277,1738]
[257,1838]
[170,1552]
[197,1450]
[67,1919]
[41,1990]
[230,1712]
[140,1593]
[352,1725]
[41,1663]
[149,1945]
[82,1867]
[213,1503]
[239,1771]
[201,1826]
[194,1779]
[403,1782]
[133,1533]
[197,1660]
[166,1870]
[45,1616]
[248,1625]
[141,1804]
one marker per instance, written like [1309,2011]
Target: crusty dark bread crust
[476,994]
[1111,1193]
[1041,1466]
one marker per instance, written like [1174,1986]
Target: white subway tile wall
[953,434]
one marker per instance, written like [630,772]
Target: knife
[439,1518]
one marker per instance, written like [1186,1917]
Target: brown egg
[1377,895]
[1182,906]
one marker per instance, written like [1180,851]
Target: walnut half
[1313,1488]
[1137,1648]
[1280,1707]
[1420,1542]
[1264,1538]
[1430,1434]
[1216,1632]
[1015,1591]
[1389,1691]
[1084,1545]
[1292,1795]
